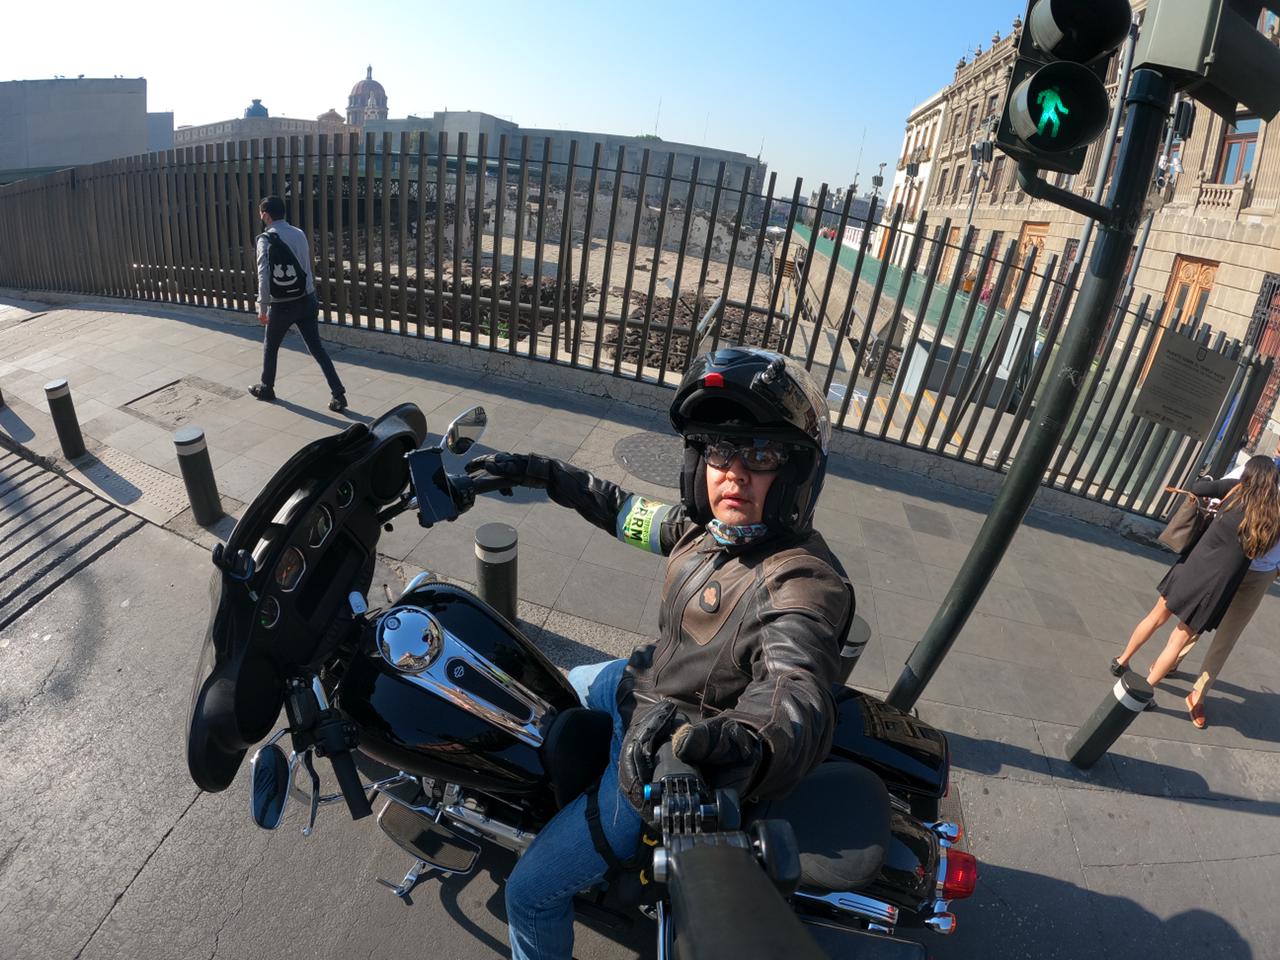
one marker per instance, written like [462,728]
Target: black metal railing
[608,264]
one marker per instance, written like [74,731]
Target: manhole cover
[179,403]
[651,457]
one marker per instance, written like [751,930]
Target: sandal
[1197,712]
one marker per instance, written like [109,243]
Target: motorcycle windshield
[305,542]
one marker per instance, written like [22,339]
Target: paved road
[107,849]
[1169,844]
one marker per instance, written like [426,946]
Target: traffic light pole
[1148,101]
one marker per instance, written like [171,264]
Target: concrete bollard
[197,474]
[63,411]
[496,548]
[1128,698]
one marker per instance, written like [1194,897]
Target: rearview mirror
[465,430]
[269,786]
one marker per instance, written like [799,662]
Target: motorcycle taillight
[962,875]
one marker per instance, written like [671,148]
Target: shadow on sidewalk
[14,426]
[339,421]
[902,481]
[248,329]
[1114,771]
[1252,712]
[1015,913]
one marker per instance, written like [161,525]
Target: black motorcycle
[441,710]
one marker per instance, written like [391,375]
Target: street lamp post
[981,153]
[876,183]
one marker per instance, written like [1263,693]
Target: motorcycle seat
[840,814]
[575,751]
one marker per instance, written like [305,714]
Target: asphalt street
[1169,845]
[109,851]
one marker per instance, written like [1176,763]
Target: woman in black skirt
[1199,587]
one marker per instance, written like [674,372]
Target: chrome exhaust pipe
[942,923]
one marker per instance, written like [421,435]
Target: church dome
[256,109]
[366,88]
[368,101]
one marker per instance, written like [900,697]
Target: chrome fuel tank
[444,687]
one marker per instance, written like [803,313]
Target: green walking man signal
[1057,103]
[1050,102]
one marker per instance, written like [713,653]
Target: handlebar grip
[669,765]
[489,484]
[344,768]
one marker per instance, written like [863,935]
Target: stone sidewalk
[1167,843]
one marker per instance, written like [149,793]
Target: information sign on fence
[1186,386]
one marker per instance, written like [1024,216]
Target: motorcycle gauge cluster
[290,569]
[268,613]
[319,526]
[345,494]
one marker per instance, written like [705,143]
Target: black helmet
[746,392]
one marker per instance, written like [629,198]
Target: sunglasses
[758,456]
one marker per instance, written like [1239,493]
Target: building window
[1239,147]
[996,177]
[955,186]
[973,118]
[991,107]
[942,185]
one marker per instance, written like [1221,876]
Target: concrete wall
[58,123]
[160,131]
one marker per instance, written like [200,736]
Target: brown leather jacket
[754,631]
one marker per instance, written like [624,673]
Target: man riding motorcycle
[755,610]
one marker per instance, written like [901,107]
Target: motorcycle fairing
[239,684]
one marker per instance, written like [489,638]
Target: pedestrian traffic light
[1057,102]
[1215,52]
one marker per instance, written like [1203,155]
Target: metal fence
[608,264]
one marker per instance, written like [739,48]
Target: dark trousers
[303,314]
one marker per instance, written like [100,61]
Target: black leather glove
[727,753]
[523,469]
[640,751]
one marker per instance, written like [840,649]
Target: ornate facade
[915,172]
[1214,247]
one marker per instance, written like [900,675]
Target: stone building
[454,122]
[915,170]
[1214,247]
[257,124]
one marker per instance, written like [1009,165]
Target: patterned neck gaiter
[731,535]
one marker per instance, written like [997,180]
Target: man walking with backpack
[287,296]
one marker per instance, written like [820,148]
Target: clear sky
[805,77]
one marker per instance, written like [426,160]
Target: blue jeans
[562,860]
[301,314]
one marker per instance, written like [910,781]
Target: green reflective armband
[640,523]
